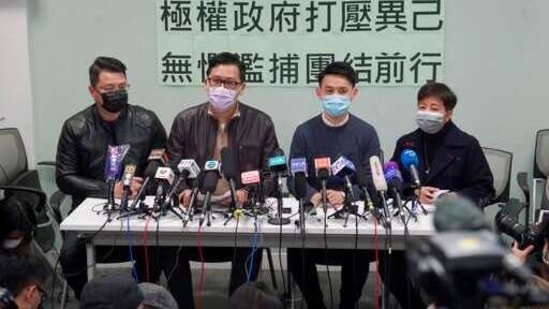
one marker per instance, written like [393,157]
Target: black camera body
[471,269]
[507,222]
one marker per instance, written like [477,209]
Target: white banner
[287,43]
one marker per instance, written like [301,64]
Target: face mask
[115,101]
[335,105]
[429,122]
[222,99]
[10,244]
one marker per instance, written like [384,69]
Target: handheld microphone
[230,170]
[410,161]
[394,182]
[211,177]
[165,177]
[344,169]
[381,186]
[127,177]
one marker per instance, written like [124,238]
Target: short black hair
[16,214]
[227,58]
[440,91]
[108,64]
[18,272]
[339,68]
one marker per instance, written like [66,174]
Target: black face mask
[115,101]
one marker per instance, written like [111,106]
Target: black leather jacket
[82,148]
[194,131]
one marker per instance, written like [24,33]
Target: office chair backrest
[500,163]
[13,158]
[541,156]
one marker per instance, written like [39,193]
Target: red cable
[378,283]
[201,281]
[146,250]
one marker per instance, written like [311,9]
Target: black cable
[356,250]
[284,291]
[326,258]
[235,240]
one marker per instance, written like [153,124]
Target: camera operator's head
[17,222]
[24,277]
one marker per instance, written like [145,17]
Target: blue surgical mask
[336,105]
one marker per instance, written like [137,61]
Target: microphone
[344,169]
[115,155]
[155,159]
[277,165]
[127,177]
[211,177]
[381,186]
[229,164]
[158,154]
[279,169]
[410,161]
[164,176]
[361,181]
[250,178]
[394,182]
[298,167]
[187,169]
[322,172]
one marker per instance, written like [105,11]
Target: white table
[86,220]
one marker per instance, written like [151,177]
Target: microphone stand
[279,220]
[415,202]
[324,197]
[234,209]
[110,206]
[189,214]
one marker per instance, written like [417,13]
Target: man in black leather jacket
[200,132]
[81,156]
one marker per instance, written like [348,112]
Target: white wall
[15,87]
[495,53]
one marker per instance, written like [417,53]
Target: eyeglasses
[112,88]
[227,83]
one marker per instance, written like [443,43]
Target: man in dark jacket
[202,131]
[449,159]
[81,155]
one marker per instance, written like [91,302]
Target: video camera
[465,265]
[507,222]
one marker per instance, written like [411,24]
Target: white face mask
[10,244]
[430,122]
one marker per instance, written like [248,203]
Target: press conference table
[88,219]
